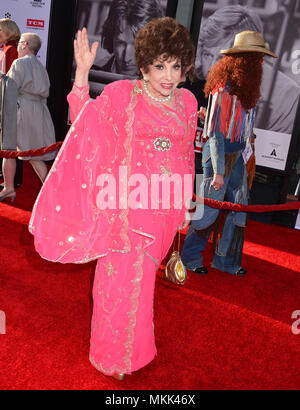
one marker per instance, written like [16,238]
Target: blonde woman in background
[9,37]
[35,128]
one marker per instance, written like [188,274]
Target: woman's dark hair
[167,38]
[135,12]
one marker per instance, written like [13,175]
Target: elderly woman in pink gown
[101,199]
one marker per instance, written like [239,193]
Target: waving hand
[84,56]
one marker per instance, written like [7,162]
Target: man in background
[124,19]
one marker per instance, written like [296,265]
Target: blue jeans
[236,190]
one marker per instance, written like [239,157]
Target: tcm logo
[35,23]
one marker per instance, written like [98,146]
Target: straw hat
[249,41]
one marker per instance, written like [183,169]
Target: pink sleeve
[76,99]
[191,107]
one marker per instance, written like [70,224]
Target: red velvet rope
[228,206]
[30,153]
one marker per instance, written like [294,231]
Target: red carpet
[216,332]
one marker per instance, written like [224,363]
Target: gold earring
[145,77]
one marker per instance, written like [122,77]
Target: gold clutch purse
[175,271]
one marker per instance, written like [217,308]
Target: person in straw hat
[217,32]
[233,88]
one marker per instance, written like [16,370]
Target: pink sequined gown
[121,128]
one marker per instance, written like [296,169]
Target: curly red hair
[242,72]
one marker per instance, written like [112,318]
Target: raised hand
[84,56]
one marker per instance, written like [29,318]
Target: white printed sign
[31,16]
[271,148]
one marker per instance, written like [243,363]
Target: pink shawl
[66,223]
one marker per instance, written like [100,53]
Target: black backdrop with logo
[59,61]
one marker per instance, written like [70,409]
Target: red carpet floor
[216,332]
